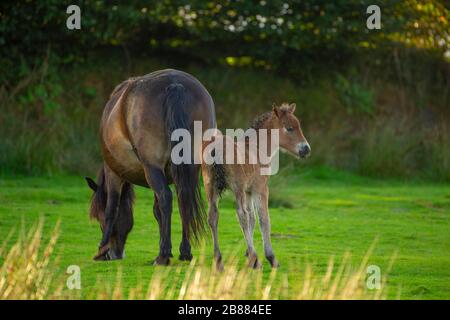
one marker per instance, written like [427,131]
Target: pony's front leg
[163,212]
[113,190]
[124,223]
[262,206]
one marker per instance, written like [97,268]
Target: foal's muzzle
[304,149]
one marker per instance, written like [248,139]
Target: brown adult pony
[135,136]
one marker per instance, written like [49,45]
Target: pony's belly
[136,177]
[121,158]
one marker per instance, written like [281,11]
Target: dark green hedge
[271,33]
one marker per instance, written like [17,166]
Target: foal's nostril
[304,151]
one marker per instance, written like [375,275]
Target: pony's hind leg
[185,247]
[157,214]
[246,224]
[113,190]
[163,200]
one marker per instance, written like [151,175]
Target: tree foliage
[272,33]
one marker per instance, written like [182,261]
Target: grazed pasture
[315,214]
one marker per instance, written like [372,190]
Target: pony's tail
[98,201]
[185,175]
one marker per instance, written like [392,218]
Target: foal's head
[292,139]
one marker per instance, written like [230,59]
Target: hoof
[257,264]
[185,257]
[273,262]
[253,262]
[114,255]
[103,257]
[102,254]
[219,264]
[161,261]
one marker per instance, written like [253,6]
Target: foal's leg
[244,220]
[113,189]
[261,203]
[251,216]
[163,201]
[213,217]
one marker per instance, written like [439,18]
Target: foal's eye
[289,129]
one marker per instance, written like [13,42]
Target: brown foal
[249,186]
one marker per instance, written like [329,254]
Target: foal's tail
[219,178]
[217,175]
[185,175]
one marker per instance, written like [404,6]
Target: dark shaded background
[374,102]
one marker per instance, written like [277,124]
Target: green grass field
[315,214]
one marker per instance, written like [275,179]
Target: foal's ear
[276,110]
[291,107]
[91,183]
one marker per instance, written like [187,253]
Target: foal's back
[239,176]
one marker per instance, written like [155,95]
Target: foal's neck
[265,121]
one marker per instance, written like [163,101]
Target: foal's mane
[260,120]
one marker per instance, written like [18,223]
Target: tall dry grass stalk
[200,282]
[25,273]
[24,270]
